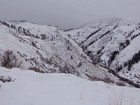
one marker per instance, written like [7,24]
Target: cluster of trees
[19,29]
[8,25]
[5,23]
[119,68]
[131,62]
[135,36]
[124,44]
[112,57]
[130,33]
[135,59]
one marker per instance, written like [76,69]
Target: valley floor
[25,87]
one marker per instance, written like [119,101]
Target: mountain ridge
[113,45]
[47,48]
[55,50]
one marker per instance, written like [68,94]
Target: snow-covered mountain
[113,44]
[47,48]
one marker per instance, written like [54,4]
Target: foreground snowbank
[31,88]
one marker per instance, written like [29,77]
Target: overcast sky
[69,13]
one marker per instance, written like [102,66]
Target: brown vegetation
[9,60]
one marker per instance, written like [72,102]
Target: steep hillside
[113,44]
[47,48]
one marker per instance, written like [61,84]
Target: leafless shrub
[107,80]
[92,78]
[120,83]
[9,60]
[5,79]
[68,69]
[36,69]
[65,69]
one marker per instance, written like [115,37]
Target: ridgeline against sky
[68,13]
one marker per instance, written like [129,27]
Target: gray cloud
[68,13]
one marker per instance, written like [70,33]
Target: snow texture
[31,88]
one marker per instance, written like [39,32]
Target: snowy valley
[76,67]
[112,44]
[47,48]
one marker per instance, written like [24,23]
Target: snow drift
[31,88]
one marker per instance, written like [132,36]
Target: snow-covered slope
[47,48]
[30,88]
[113,44]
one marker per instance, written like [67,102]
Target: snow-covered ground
[31,88]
